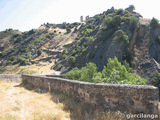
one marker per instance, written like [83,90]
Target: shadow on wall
[89,101]
[78,110]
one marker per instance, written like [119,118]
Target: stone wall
[126,98]
[10,77]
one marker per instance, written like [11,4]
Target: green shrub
[128,56]
[1,68]
[119,11]
[131,20]
[86,32]
[74,74]
[18,39]
[29,56]
[31,46]
[156,81]
[121,36]
[116,73]
[107,20]
[88,72]
[58,67]
[68,30]
[112,21]
[154,23]
[49,36]
[158,39]
[31,32]
[71,61]
[14,59]
[126,64]
[130,8]
[89,40]
[65,52]
[84,74]
[39,52]
[39,40]
[23,61]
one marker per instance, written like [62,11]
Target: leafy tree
[23,61]
[121,36]
[116,73]
[130,8]
[158,39]
[39,52]
[31,32]
[156,80]
[74,74]
[86,73]
[71,60]
[86,32]
[29,56]
[120,12]
[154,23]
[112,21]
[68,30]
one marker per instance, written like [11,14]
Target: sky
[29,14]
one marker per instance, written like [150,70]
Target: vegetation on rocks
[114,72]
[154,23]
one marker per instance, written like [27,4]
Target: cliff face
[145,48]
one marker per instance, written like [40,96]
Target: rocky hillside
[115,32]
[38,47]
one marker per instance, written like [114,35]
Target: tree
[121,36]
[71,61]
[86,73]
[154,23]
[131,8]
[116,73]
[68,30]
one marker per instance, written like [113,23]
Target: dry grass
[41,68]
[18,103]
[9,117]
[82,111]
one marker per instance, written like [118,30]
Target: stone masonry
[125,98]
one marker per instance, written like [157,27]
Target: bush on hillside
[121,36]
[23,61]
[31,32]
[29,56]
[84,74]
[114,72]
[156,80]
[154,23]
[71,61]
[131,8]
[39,52]
[158,39]
[68,30]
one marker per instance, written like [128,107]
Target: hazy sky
[27,14]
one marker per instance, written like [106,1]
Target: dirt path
[17,103]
